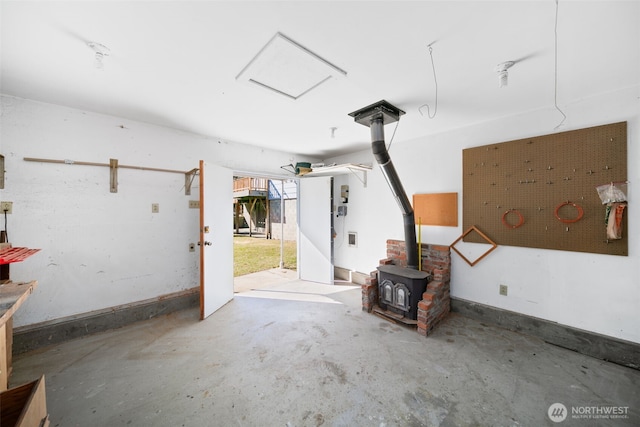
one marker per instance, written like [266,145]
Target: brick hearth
[435,303]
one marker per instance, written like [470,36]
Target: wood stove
[400,289]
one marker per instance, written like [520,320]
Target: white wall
[102,249]
[599,293]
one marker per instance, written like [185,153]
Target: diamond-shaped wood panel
[484,236]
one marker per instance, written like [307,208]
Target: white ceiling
[175,63]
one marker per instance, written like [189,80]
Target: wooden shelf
[12,296]
[359,170]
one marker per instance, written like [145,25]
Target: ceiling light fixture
[503,74]
[100,52]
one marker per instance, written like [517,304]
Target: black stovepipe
[389,171]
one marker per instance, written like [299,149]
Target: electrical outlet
[155,207]
[6,207]
[503,290]
[194,204]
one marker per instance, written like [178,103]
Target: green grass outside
[251,254]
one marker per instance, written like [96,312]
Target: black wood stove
[400,289]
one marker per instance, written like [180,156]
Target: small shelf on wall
[357,169]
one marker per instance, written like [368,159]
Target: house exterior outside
[283,225]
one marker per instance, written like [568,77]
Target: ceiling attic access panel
[287,68]
[540,192]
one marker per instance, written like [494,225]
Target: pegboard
[527,192]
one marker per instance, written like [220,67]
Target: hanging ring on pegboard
[566,220]
[520,218]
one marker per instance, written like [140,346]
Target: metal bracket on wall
[188,180]
[113,175]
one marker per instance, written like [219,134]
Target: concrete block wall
[290,224]
[100,249]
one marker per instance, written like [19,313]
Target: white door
[216,238]
[315,242]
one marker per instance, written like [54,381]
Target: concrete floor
[310,357]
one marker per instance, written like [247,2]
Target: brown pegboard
[524,181]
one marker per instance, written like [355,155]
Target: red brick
[427,297]
[435,287]
[424,305]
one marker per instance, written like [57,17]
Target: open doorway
[250,205]
[265,231]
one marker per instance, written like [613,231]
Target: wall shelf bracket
[113,175]
[188,180]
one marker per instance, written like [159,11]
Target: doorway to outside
[265,228]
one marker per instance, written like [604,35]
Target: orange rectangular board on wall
[436,209]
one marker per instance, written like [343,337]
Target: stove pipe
[376,116]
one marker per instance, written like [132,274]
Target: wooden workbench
[12,295]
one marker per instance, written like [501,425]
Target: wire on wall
[435,109]
[555,94]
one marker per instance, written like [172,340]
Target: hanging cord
[435,109]
[555,95]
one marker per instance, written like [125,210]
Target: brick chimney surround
[436,302]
